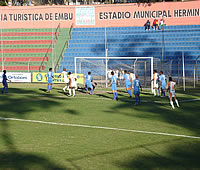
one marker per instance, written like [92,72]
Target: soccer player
[49,78]
[94,86]
[162,79]
[127,83]
[4,82]
[137,86]
[114,85]
[155,83]
[88,84]
[171,88]
[66,80]
[72,84]
[132,76]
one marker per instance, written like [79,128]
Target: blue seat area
[134,41]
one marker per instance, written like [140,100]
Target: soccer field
[53,131]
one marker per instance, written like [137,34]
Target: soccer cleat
[117,98]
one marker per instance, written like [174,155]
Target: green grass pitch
[34,145]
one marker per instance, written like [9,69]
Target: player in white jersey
[171,88]
[132,76]
[72,84]
[66,80]
[155,83]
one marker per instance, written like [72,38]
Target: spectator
[155,24]
[162,24]
[147,25]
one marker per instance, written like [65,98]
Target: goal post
[101,66]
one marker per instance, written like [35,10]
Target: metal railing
[61,53]
[50,46]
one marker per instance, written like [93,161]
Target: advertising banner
[17,77]
[85,15]
[109,15]
[41,78]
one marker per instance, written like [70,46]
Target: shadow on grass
[182,156]
[20,106]
[20,160]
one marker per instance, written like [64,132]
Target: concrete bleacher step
[26,54]
[28,50]
[28,34]
[16,38]
[23,68]
[25,46]
[24,59]
[26,42]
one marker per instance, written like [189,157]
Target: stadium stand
[168,44]
[31,49]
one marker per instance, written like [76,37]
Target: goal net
[101,68]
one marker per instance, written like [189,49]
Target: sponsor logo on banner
[85,15]
[17,77]
[41,78]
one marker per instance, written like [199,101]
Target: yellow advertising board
[41,78]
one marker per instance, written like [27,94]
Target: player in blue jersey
[128,83]
[49,78]
[4,82]
[114,85]
[162,80]
[137,87]
[88,83]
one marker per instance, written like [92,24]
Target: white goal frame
[121,58]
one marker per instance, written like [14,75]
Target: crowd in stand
[156,25]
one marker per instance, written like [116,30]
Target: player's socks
[6,90]
[158,92]
[86,89]
[114,95]
[47,87]
[2,90]
[70,92]
[129,92]
[91,91]
[73,90]
[164,93]
[172,104]
[136,100]
[154,92]
[139,99]
[64,88]
[177,103]
[50,87]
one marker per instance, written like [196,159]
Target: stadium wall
[117,15]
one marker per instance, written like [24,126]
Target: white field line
[99,127]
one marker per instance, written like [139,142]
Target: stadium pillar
[183,70]
[152,74]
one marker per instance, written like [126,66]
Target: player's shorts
[5,84]
[163,86]
[66,81]
[50,81]
[114,87]
[89,85]
[136,92]
[73,84]
[128,85]
[155,86]
[172,93]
